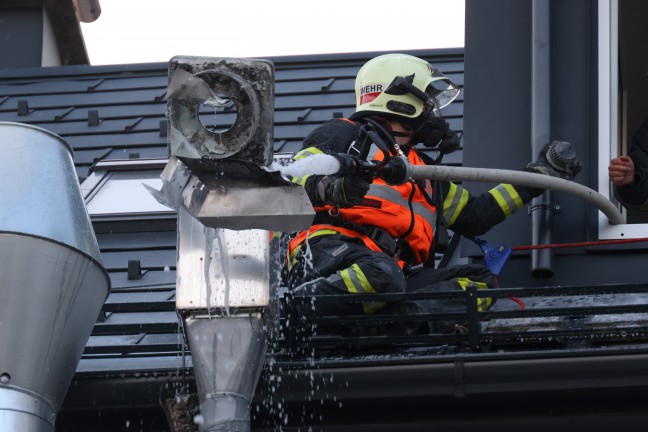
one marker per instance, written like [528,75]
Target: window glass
[123,192]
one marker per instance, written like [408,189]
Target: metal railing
[575,322]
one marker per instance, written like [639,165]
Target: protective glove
[435,131]
[342,191]
[557,159]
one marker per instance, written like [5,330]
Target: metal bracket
[553,208]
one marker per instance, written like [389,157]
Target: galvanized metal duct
[228,251]
[53,283]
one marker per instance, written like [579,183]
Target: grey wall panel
[570,111]
[497,109]
[580,270]
[23,27]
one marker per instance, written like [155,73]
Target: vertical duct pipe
[53,284]
[229,254]
[541,207]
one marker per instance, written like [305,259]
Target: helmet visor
[441,89]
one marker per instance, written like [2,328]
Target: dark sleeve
[471,215]
[636,195]
[334,136]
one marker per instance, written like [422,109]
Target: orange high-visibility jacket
[387,207]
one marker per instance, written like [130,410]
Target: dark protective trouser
[336,264]
[453,278]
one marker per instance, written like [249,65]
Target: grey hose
[522,178]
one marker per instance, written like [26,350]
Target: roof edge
[315,60]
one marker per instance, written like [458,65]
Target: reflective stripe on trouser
[356,282]
[347,266]
[482,303]
[447,279]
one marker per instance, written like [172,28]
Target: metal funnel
[53,283]
[228,354]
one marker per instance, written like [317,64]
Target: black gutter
[458,376]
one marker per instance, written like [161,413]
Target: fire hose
[522,178]
[396,170]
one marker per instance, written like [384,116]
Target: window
[622,96]
[116,188]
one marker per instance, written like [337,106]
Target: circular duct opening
[218,114]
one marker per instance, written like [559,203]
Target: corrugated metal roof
[111,111]
[118,112]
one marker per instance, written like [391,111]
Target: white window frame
[609,118]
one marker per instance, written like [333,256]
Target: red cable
[581,244]
[515,299]
[565,245]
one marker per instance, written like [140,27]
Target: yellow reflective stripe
[300,180]
[292,257]
[356,282]
[310,151]
[507,198]
[454,203]
[482,303]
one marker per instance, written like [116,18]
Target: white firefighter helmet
[401,86]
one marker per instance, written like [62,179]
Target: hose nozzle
[395,170]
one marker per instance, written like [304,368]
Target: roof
[118,112]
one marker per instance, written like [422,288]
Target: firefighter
[374,236]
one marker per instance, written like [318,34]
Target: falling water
[209,234]
[319,164]
[216,248]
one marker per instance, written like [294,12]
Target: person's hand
[557,159]
[342,191]
[621,171]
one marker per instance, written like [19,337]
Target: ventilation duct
[53,282]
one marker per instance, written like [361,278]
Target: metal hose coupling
[396,171]
[561,155]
